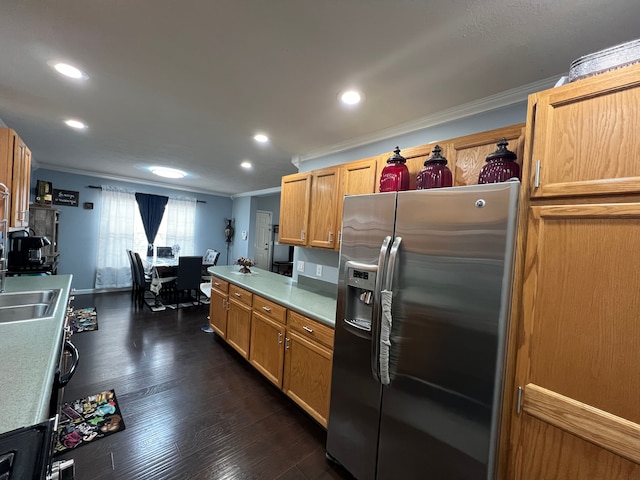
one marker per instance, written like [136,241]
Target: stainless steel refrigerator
[422,316]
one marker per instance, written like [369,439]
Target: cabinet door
[469,153]
[323,208]
[578,352]
[585,135]
[239,327]
[218,312]
[294,212]
[356,178]
[267,347]
[307,375]
[20,185]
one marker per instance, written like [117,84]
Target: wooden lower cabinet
[239,326]
[267,352]
[218,312]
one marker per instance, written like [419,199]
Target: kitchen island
[283,328]
[29,355]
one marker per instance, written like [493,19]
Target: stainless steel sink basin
[15,306]
[27,298]
[26,312]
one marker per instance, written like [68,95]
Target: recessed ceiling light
[70,71]
[167,172]
[246,165]
[77,124]
[260,137]
[350,97]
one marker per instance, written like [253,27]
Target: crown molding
[503,99]
[138,181]
[258,193]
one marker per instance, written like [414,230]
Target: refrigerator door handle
[377,310]
[386,321]
[393,256]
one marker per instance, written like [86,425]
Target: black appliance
[25,252]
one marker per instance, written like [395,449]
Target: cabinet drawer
[310,329]
[240,295]
[270,309]
[220,285]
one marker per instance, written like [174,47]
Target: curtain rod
[99,187]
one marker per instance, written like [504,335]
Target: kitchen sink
[30,305]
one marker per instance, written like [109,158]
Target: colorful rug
[86,420]
[83,320]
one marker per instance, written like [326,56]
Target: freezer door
[352,433]
[450,298]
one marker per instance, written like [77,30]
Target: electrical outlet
[300,266]
[319,270]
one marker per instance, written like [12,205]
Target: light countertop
[318,303]
[29,355]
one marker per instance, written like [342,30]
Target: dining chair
[143,281]
[134,284]
[188,277]
[210,259]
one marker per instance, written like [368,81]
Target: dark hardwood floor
[193,408]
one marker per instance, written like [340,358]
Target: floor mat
[83,320]
[86,420]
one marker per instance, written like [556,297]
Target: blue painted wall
[78,228]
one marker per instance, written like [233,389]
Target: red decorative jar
[395,175]
[435,173]
[501,165]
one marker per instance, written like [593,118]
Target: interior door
[262,250]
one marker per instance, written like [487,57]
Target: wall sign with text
[65,197]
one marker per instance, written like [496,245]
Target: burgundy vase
[395,174]
[501,165]
[435,173]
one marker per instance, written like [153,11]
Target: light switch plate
[319,270]
[300,266]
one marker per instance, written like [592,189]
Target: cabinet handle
[302,235]
[536,181]
[286,343]
[216,284]
[237,294]
[279,338]
[340,236]
[307,329]
[330,239]
[266,309]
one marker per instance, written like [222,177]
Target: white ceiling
[187,84]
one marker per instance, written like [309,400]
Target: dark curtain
[151,210]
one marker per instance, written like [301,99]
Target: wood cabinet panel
[270,309]
[584,136]
[218,312]
[267,347]
[307,375]
[323,207]
[240,295]
[15,173]
[469,153]
[295,195]
[220,285]
[314,331]
[239,326]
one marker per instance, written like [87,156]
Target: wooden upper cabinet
[15,173]
[294,212]
[356,178]
[323,208]
[585,135]
[468,154]
[415,156]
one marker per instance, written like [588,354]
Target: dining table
[162,270]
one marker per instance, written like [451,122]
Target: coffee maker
[25,251]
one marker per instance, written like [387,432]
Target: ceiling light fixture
[260,137]
[167,172]
[351,97]
[70,71]
[246,165]
[77,124]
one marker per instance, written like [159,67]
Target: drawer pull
[307,329]
[216,284]
[266,309]
[237,294]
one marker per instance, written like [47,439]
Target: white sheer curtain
[180,216]
[117,218]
